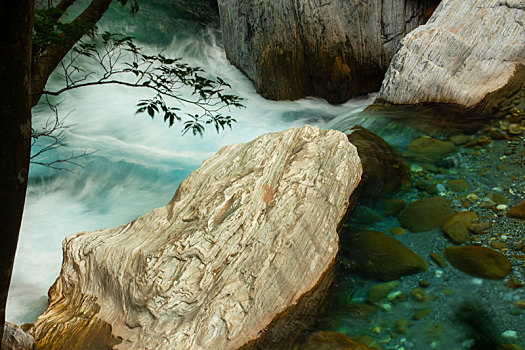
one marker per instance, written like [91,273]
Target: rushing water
[137,164]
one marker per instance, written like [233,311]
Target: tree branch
[44,65]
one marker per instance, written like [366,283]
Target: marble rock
[469,53]
[331,49]
[239,258]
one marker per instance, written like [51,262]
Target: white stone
[238,257]
[467,50]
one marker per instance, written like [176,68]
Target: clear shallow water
[138,162]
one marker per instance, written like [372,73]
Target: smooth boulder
[425,214]
[331,49]
[384,169]
[479,261]
[518,211]
[470,53]
[376,255]
[240,257]
[457,226]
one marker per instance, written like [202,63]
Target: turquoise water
[137,164]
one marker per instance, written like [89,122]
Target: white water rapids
[137,166]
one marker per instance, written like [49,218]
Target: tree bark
[15,122]
[44,65]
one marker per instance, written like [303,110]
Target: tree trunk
[46,63]
[15,123]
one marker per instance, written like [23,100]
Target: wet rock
[498,198]
[456,226]
[380,291]
[242,256]
[515,129]
[479,261]
[514,283]
[470,53]
[16,339]
[425,214]
[420,295]
[324,340]
[398,231]
[394,206]
[334,50]
[460,139]
[401,326]
[498,245]
[375,254]
[365,215]
[420,314]
[457,185]
[384,171]
[479,227]
[424,283]
[426,149]
[517,211]
[438,259]
[423,185]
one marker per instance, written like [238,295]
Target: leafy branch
[118,60]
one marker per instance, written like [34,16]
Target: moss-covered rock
[425,214]
[479,261]
[377,255]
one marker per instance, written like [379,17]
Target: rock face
[332,49]
[468,50]
[244,249]
[15,338]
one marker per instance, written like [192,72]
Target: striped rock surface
[469,50]
[239,258]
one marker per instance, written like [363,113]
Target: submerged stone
[517,211]
[457,185]
[456,227]
[425,214]
[324,340]
[375,254]
[426,149]
[384,171]
[479,261]
[438,259]
[380,291]
[242,256]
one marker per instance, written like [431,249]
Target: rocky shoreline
[480,177]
